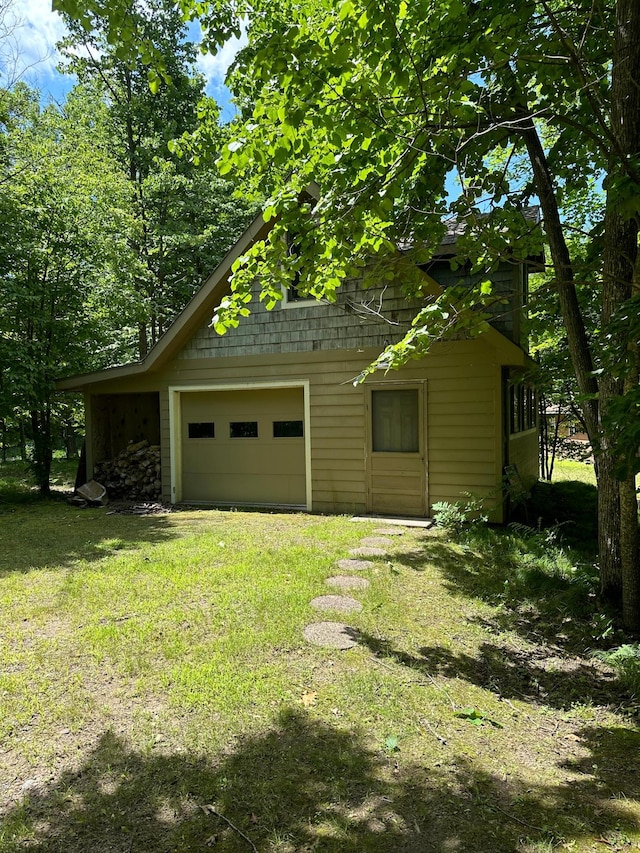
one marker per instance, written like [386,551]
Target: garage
[243,446]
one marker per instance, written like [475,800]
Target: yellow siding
[523,449]
[463,415]
[325,347]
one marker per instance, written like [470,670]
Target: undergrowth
[544,563]
[625,659]
[17,483]
[521,562]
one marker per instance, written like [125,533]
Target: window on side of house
[395,420]
[522,408]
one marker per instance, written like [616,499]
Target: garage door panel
[246,489]
[244,460]
[261,469]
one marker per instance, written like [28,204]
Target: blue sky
[30,54]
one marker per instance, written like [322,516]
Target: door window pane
[395,421]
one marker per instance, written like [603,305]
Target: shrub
[459,516]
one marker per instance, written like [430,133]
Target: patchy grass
[156,693]
[566,469]
[17,484]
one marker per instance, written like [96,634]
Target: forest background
[106,232]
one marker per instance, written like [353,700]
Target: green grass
[155,678]
[566,469]
[17,483]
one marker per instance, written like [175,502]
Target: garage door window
[395,421]
[206,429]
[288,429]
[243,429]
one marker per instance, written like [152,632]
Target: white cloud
[31,31]
[214,67]
[29,51]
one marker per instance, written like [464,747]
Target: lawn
[567,469]
[157,693]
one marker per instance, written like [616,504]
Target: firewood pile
[134,474]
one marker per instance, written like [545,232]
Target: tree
[183,216]
[60,211]
[383,103]
[555,380]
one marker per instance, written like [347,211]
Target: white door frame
[175,426]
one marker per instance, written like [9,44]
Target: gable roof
[207,298]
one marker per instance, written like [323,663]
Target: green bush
[459,516]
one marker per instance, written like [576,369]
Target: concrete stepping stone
[347,582]
[355,565]
[332,635]
[375,541]
[344,603]
[365,551]
[388,531]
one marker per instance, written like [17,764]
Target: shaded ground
[571,506]
[157,695]
[305,785]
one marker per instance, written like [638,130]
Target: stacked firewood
[134,474]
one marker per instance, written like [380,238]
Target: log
[133,474]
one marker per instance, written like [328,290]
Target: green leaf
[391,744]
[346,9]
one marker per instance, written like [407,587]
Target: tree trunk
[609,551]
[618,504]
[543,436]
[617,512]
[23,442]
[70,441]
[564,280]
[42,448]
[143,347]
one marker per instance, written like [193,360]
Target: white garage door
[244,447]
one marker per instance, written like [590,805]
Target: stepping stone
[388,531]
[332,635]
[344,603]
[347,582]
[355,565]
[375,542]
[368,552]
